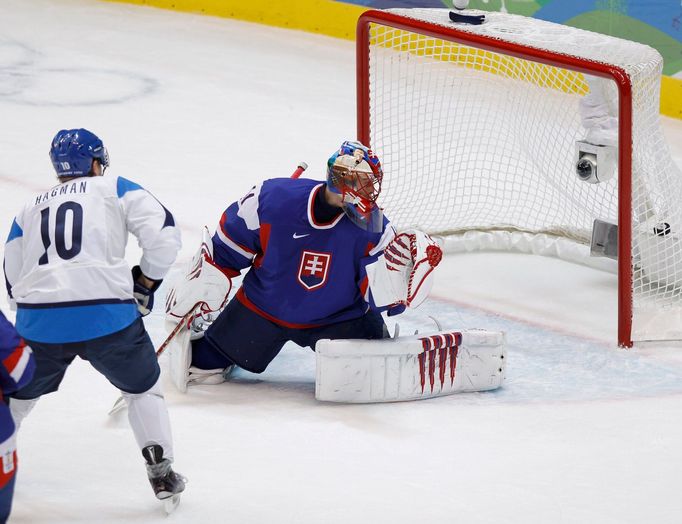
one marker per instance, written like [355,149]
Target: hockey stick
[302,166]
[120,402]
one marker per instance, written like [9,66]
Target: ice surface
[196,109]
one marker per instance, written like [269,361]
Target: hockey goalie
[323,264]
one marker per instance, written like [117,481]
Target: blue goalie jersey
[304,273]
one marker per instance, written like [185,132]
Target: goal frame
[566,61]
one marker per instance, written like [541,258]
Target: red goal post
[419,81]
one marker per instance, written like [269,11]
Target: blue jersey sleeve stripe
[169,221]
[15,231]
[7,284]
[123,185]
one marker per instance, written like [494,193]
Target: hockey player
[76,296]
[15,372]
[323,264]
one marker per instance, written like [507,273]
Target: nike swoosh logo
[300,236]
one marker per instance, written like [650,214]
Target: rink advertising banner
[657,23]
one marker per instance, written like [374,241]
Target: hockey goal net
[480,129]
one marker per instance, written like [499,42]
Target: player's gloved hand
[143,293]
[411,258]
[403,275]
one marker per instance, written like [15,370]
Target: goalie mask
[73,151]
[355,173]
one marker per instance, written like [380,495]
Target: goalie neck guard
[355,173]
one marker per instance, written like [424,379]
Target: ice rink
[196,110]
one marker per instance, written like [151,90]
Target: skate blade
[171,503]
[118,406]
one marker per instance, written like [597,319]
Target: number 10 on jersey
[75,210]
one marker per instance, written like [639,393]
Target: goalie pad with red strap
[409,368]
[204,286]
[403,274]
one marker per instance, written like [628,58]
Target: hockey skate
[166,483]
[197,376]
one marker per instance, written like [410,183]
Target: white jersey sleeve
[13,257]
[153,225]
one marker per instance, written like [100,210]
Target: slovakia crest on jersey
[313,269]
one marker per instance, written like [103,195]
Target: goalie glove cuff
[205,284]
[143,295]
[403,274]
[426,255]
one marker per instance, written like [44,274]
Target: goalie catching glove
[204,286]
[403,274]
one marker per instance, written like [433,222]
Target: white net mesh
[473,139]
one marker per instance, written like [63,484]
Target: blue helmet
[355,173]
[73,151]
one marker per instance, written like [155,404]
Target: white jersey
[64,257]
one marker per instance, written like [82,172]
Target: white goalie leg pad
[403,274]
[409,368]
[149,420]
[203,284]
[180,369]
[179,357]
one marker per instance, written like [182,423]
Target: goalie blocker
[409,368]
